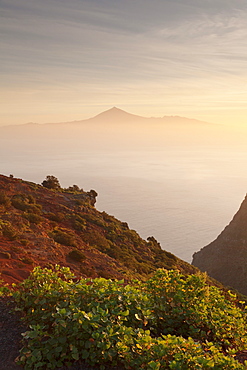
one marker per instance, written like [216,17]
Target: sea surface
[182,197]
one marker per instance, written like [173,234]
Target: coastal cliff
[225,259]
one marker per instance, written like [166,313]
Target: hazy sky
[67,60]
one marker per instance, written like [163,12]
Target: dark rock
[225,259]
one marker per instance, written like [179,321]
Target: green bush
[4,288]
[187,306]
[162,324]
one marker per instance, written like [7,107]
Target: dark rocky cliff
[225,259]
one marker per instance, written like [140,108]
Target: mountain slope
[114,130]
[117,115]
[39,226]
[225,259]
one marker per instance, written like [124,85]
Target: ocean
[184,197]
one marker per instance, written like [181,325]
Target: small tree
[51,182]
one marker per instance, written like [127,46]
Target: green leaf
[75,356]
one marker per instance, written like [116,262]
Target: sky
[69,60]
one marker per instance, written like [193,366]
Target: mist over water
[183,200]
[183,194]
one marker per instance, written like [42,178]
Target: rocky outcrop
[225,259]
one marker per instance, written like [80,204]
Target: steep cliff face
[225,259]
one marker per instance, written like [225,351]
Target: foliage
[8,230]
[94,218]
[78,222]
[76,255]
[4,288]
[33,218]
[25,203]
[93,193]
[96,239]
[187,306]
[4,199]
[63,236]
[165,323]
[57,217]
[73,189]
[51,182]
[27,260]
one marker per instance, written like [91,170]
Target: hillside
[225,259]
[118,324]
[41,226]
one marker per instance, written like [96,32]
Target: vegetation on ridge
[117,300]
[168,322]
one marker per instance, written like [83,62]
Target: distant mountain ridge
[118,115]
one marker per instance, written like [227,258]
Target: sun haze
[65,60]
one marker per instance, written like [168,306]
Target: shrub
[88,271]
[25,203]
[93,193]
[110,323]
[63,236]
[94,219]
[20,202]
[9,232]
[76,255]
[27,260]
[105,274]
[74,189]
[96,239]
[57,217]
[187,306]
[78,222]
[4,288]
[51,182]
[33,218]
[24,242]
[4,199]
[31,199]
